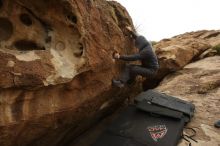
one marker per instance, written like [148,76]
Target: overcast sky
[158,19]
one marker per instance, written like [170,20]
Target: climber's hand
[116,55]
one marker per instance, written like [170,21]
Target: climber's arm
[133,57]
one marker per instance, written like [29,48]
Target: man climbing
[149,63]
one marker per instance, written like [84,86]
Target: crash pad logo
[157,131]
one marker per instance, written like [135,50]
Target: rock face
[176,52]
[56,67]
[199,83]
[180,50]
[48,43]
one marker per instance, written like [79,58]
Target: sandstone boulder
[50,42]
[176,52]
[199,83]
[56,67]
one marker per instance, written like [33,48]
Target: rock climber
[149,63]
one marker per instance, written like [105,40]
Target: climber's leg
[142,71]
[130,73]
[125,76]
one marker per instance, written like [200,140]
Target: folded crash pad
[155,120]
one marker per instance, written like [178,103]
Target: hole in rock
[6,29]
[25,19]
[1,3]
[48,39]
[60,46]
[81,47]
[79,53]
[25,45]
[72,18]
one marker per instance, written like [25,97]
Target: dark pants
[131,71]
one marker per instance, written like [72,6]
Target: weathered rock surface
[176,52]
[199,83]
[180,50]
[50,42]
[56,68]
[62,51]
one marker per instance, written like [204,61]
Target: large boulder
[174,53]
[50,42]
[199,83]
[56,67]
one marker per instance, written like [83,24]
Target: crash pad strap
[167,101]
[155,109]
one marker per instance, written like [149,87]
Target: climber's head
[141,42]
[132,32]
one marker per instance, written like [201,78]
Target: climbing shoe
[217,124]
[117,83]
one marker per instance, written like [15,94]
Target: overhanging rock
[62,51]
[50,42]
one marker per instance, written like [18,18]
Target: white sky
[158,19]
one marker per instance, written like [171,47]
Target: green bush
[217,48]
[153,43]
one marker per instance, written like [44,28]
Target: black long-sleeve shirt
[146,54]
